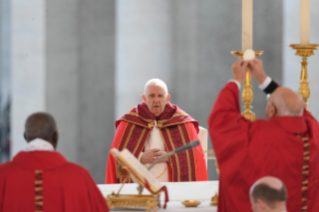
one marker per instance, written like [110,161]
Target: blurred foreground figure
[268,194]
[41,179]
[154,127]
[286,145]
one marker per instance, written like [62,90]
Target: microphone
[180,149]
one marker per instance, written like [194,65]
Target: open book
[138,172]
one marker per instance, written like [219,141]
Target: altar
[177,192]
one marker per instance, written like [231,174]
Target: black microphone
[180,149]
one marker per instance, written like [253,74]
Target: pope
[154,127]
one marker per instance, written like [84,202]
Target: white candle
[247,33]
[304,22]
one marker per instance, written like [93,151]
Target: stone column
[62,66]
[5,83]
[291,62]
[27,65]
[143,49]
[80,79]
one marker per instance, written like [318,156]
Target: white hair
[157,82]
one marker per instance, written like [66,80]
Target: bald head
[155,82]
[41,125]
[285,102]
[270,190]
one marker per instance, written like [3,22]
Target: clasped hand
[254,66]
[149,156]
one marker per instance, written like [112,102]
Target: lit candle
[247,33]
[304,22]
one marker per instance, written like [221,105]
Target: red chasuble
[177,129]
[284,147]
[46,181]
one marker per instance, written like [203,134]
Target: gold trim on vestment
[137,115]
[175,115]
[151,122]
[139,141]
[123,135]
[176,123]
[127,140]
[170,157]
[133,122]
[192,149]
[305,172]
[176,157]
[187,153]
[306,145]
[129,136]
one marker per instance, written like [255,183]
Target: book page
[139,170]
[115,152]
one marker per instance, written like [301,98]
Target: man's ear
[272,111]
[55,139]
[25,137]
[261,205]
[143,97]
[168,97]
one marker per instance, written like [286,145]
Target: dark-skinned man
[41,179]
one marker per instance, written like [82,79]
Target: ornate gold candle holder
[304,51]
[247,94]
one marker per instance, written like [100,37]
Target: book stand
[118,200]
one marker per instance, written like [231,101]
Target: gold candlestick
[247,94]
[304,51]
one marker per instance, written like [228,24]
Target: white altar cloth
[177,192]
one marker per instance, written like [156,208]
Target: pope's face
[156,99]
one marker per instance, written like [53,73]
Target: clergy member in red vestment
[41,179]
[286,145]
[154,127]
[268,194]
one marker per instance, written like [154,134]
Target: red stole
[172,123]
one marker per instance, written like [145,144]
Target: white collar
[39,144]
